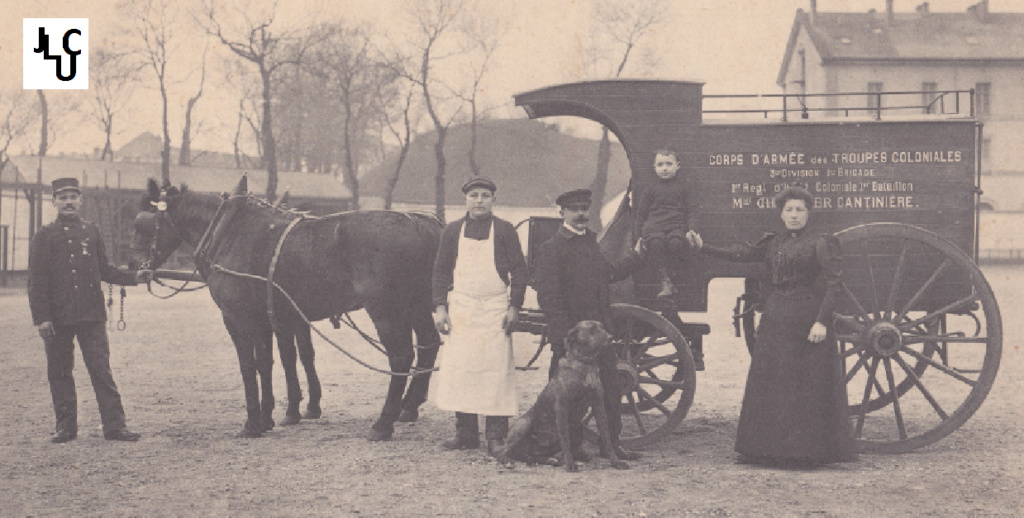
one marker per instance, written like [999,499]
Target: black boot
[467,433]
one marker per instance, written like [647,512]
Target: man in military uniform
[67,261]
[572,282]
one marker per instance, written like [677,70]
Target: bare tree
[154,25]
[185,154]
[257,41]
[16,115]
[114,76]
[618,28]
[484,35]
[434,20]
[402,110]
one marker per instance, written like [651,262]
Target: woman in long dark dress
[794,405]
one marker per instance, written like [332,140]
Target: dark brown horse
[379,261]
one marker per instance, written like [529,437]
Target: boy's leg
[467,433]
[657,249]
[495,429]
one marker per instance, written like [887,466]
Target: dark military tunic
[572,282]
[663,208]
[794,404]
[67,261]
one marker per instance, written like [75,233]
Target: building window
[928,95]
[982,99]
[874,100]
[986,146]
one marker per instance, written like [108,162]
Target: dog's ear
[573,336]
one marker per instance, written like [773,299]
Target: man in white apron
[479,283]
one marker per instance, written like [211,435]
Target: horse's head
[156,235]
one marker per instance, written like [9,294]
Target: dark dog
[555,422]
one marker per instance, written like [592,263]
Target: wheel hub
[629,377]
[885,338]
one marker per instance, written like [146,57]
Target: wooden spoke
[921,291]
[654,380]
[856,303]
[862,360]
[656,361]
[924,391]
[635,410]
[867,397]
[895,400]
[945,309]
[646,395]
[941,367]
[871,277]
[910,340]
[897,280]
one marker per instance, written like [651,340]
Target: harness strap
[273,267]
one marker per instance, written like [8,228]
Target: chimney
[814,11]
[922,9]
[980,11]
[890,15]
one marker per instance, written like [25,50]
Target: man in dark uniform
[572,282]
[67,260]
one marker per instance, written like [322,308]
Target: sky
[733,46]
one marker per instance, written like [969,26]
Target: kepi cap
[65,184]
[574,197]
[478,181]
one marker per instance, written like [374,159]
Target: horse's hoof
[290,420]
[408,415]
[312,412]
[268,424]
[249,433]
[377,435]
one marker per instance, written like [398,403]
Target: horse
[380,261]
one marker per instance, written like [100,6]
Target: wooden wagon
[919,328]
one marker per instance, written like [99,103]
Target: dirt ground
[178,376]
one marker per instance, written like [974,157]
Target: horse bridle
[158,215]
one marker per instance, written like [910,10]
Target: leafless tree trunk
[113,76]
[258,44]
[621,26]
[484,35]
[153,19]
[434,19]
[404,136]
[185,155]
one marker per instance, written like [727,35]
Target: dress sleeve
[444,264]
[743,252]
[830,261]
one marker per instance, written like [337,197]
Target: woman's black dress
[794,405]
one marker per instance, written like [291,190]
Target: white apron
[477,373]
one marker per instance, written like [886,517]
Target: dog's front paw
[620,465]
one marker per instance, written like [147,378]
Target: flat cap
[65,184]
[574,197]
[478,181]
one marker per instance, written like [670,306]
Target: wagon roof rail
[931,103]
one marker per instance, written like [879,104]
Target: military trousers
[60,361]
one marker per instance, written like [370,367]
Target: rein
[201,254]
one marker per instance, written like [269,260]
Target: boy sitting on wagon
[663,217]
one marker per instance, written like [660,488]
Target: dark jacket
[572,280]
[795,260]
[508,260]
[663,206]
[67,261]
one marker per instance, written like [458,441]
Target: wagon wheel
[879,399]
[657,375]
[920,322]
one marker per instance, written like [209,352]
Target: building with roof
[111,189]
[928,53]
